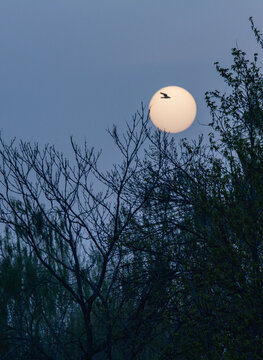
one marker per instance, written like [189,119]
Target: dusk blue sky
[77,67]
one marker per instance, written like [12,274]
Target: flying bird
[165,96]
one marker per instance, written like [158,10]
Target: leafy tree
[206,213]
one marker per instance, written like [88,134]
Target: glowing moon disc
[172,109]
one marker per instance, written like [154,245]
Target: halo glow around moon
[172,109]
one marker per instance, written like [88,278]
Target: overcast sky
[76,67]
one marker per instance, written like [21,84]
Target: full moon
[172,109]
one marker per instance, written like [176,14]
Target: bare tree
[46,198]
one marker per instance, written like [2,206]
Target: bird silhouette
[165,96]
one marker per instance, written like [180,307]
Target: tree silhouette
[164,262]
